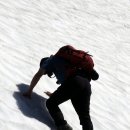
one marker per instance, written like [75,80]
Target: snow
[30,30]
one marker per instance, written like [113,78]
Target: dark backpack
[77,58]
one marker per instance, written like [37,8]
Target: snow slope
[30,30]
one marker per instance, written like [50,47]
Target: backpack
[78,59]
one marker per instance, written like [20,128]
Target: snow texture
[32,29]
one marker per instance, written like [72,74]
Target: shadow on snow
[34,107]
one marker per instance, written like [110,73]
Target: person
[76,87]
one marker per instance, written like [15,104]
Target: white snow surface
[32,29]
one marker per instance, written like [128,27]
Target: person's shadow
[34,107]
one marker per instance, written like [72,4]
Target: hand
[27,94]
[48,93]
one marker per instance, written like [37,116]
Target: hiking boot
[64,127]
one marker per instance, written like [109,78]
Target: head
[43,60]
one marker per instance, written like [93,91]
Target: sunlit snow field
[32,29]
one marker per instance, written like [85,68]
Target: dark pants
[78,90]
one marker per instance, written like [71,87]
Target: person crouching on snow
[75,87]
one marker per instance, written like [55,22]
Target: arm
[34,81]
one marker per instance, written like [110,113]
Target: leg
[59,96]
[81,103]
